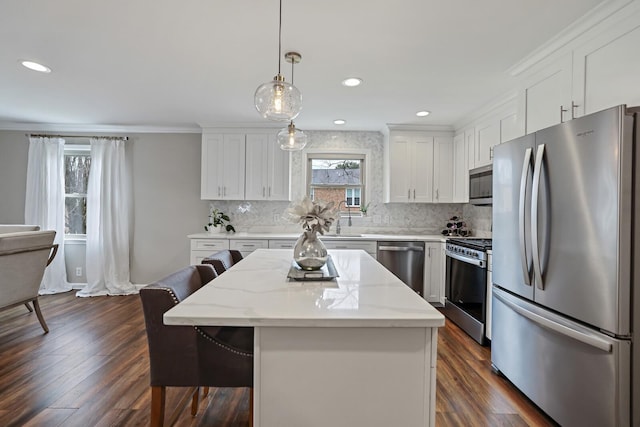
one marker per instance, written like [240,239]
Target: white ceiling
[191,63]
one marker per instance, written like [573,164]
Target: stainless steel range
[466,285]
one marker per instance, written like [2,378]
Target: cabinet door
[487,136]
[222,173]
[278,171]
[443,171]
[606,71]
[470,145]
[399,169]
[548,96]
[210,185]
[460,170]
[434,272]
[421,164]
[232,164]
[257,167]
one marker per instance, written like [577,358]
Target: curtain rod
[41,135]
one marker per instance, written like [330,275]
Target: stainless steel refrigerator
[566,268]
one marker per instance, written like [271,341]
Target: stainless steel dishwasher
[405,260]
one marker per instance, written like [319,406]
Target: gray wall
[14,149]
[166,194]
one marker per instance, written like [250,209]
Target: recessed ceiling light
[351,82]
[422,113]
[35,66]
[339,122]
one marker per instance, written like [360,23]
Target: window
[77,163]
[352,196]
[337,178]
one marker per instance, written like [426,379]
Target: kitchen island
[356,351]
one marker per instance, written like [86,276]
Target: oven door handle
[477,262]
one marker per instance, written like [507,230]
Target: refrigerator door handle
[526,166]
[535,193]
[590,340]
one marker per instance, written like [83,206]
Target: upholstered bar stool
[188,356]
[223,260]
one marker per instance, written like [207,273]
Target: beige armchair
[24,255]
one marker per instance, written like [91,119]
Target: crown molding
[569,34]
[55,127]
[420,128]
[244,125]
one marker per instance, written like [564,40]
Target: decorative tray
[326,272]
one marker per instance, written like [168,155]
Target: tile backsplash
[396,218]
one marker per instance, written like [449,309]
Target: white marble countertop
[256,292]
[330,236]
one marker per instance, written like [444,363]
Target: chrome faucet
[338,228]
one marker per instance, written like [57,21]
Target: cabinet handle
[269,191]
[409,194]
[218,191]
[573,109]
[263,192]
[414,194]
[437,197]
[490,153]
[224,190]
[429,255]
[562,111]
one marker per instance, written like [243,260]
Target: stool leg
[158,394]
[194,402]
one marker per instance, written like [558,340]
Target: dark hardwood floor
[92,370]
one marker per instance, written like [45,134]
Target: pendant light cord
[280,38]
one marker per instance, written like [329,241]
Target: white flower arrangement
[315,216]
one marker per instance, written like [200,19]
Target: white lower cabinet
[434,272]
[202,248]
[282,244]
[368,246]
[247,246]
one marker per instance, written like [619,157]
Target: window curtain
[44,204]
[108,217]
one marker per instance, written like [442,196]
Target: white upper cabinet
[222,173]
[547,94]
[267,169]
[419,167]
[460,169]
[599,70]
[443,171]
[487,136]
[607,68]
[410,168]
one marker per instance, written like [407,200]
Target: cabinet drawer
[248,245]
[212,245]
[281,244]
[366,246]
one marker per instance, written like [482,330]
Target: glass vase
[309,252]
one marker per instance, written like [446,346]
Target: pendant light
[278,100]
[290,138]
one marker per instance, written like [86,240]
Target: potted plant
[218,222]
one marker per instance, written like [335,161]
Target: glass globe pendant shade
[292,139]
[278,100]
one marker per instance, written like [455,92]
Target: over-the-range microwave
[481,186]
